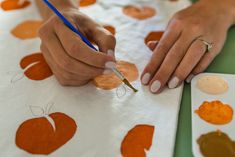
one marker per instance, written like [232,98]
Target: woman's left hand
[181,53]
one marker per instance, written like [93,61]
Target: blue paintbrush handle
[68,24]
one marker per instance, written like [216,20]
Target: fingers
[170,63]
[64,77]
[152,45]
[104,39]
[202,65]
[190,60]
[167,41]
[66,62]
[77,49]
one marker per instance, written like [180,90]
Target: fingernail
[155,86]
[111,53]
[189,79]
[153,42]
[110,65]
[107,72]
[156,42]
[173,82]
[146,78]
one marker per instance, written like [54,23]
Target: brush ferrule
[118,74]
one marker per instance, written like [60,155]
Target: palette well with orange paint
[213,123]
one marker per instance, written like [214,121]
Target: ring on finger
[209,45]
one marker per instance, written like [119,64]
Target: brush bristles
[129,85]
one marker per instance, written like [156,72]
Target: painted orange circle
[215,112]
[8,5]
[84,3]
[153,36]
[111,81]
[27,29]
[140,13]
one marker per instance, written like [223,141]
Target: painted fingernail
[111,53]
[146,78]
[189,79]
[107,72]
[155,86]
[173,82]
[110,65]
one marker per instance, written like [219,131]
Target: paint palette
[213,105]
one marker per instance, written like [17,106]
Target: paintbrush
[85,40]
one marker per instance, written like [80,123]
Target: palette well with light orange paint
[213,107]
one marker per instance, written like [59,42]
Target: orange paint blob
[84,3]
[137,141]
[27,29]
[111,81]
[140,13]
[215,112]
[14,5]
[111,29]
[153,36]
[36,67]
[37,136]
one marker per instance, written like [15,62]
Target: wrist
[60,5]
[224,9]
[66,5]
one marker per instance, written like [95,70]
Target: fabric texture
[103,117]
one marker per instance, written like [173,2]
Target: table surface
[224,63]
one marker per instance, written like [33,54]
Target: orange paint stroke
[153,36]
[37,68]
[111,29]
[27,30]
[84,3]
[215,112]
[140,13]
[137,141]
[111,81]
[8,5]
[37,136]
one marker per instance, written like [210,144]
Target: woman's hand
[71,60]
[180,55]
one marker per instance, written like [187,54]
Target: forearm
[59,4]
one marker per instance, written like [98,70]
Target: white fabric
[103,119]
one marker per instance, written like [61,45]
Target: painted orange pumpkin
[111,81]
[84,3]
[8,5]
[35,67]
[111,29]
[39,136]
[137,141]
[153,36]
[140,13]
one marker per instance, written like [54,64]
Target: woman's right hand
[71,60]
